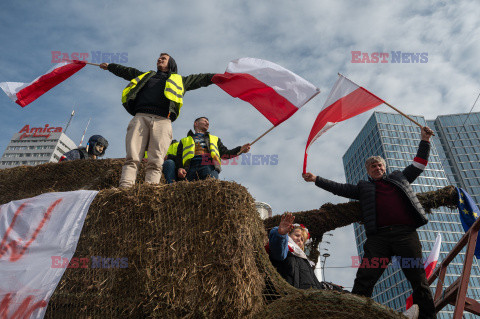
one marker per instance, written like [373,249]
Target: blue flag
[469,212]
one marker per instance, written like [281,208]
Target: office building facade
[396,139]
[36,145]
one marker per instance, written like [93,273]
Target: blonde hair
[304,234]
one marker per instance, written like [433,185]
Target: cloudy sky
[314,39]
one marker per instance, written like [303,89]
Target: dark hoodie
[151,98]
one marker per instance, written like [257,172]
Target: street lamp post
[320,250]
[323,265]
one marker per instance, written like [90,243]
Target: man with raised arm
[391,212]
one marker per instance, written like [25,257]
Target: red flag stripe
[265,99]
[47,81]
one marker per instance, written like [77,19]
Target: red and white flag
[25,93]
[346,100]
[38,238]
[274,91]
[429,265]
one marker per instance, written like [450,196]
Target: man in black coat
[391,213]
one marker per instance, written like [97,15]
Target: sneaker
[412,312]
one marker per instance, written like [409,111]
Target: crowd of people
[390,209]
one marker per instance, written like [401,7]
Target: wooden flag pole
[401,113]
[388,104]
[259,137]
[262,135]
[92,63]
[408,117]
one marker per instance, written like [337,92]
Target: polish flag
[25,93]
[429,265]
[346,100]
[274,91]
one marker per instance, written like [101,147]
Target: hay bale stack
[192,252]
[29,181]
[326,304]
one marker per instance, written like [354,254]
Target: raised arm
[121,71]
[412,171]
[278,237]
[195,81]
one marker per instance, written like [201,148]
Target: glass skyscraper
[396,139]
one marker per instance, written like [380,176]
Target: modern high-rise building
[36,145]
[458,144]
[396,139]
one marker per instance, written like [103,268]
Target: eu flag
[468,214]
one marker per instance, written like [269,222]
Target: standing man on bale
[391,213]
[199,154]
[155,100]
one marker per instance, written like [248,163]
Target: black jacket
[297,272]
[224,151]
[364,191]
[190,82]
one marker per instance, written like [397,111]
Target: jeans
[169,171]
[399,241]
[198,170]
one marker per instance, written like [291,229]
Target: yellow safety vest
[189,150]
[172,150]
[173,88]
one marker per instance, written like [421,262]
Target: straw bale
[326,304]
[194,250]
[29,181]
[191,247]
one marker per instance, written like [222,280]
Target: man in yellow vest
[199,154]
[155,100]
[169,164]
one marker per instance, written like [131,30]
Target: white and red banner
[274,91]
[25,93]
[32,232]
[429,264]
[346,100]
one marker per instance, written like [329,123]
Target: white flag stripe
[32,231]
[435,251]
[12,88]
[341,88]
[294,88]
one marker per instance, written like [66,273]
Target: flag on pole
[274,91]
[429,264]
[25,93]
[346,100]
[468,214]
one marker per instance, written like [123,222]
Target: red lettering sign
[15,246]
[24,311]
[37,131]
